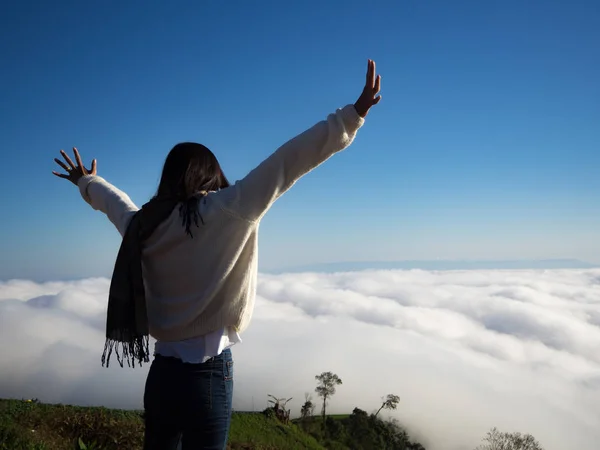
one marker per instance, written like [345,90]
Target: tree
[390,402]
[498,440]
[308,408]
[326,387]
[368,432]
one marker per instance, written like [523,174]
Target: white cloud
[465,350]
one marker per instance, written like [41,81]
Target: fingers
[78,158]
[371,74]
[369,96]
[61,164]
[74,172]
[67,159]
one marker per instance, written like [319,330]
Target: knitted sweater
[200,285]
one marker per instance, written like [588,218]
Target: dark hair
[189,169]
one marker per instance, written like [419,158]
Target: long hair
[190,169]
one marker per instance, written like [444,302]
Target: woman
[187,267]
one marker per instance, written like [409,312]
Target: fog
[464,350]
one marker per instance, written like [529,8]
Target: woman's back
[209,276]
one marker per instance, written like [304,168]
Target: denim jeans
[188,402]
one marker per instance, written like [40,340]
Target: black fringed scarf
[127,330]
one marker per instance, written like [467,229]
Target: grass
[35,426]
[256,431]
[26,425]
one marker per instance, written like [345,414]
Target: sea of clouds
[465,350]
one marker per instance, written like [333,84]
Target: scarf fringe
[135,349]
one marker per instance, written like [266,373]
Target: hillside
[29,425]
[34,426]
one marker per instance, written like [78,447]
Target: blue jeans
[188,402]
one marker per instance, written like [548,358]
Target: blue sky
[486,144]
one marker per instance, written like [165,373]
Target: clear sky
[486,144]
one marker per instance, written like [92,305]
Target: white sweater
[201,285]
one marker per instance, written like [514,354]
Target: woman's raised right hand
[369,96]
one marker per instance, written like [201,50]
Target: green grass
[35,426]
[256,431]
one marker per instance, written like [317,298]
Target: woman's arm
[251,197]
[96,191]
[103,196]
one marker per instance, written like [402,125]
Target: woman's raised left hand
[74,172]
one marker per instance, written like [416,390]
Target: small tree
[308,408]
[326,387]
[279,407]
[497,440]
[390,402]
